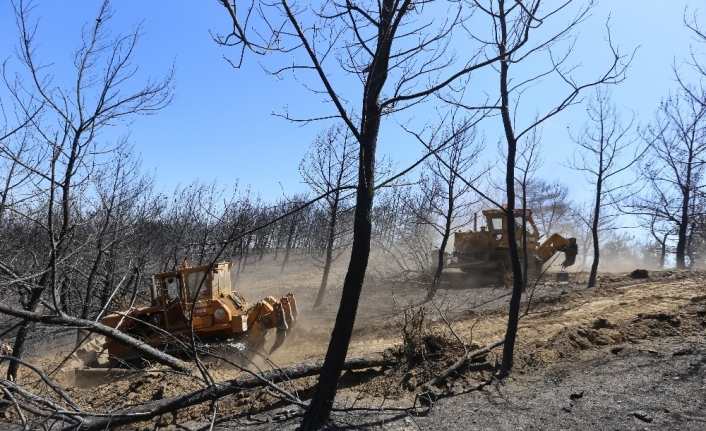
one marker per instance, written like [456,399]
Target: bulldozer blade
[570,251]
[281,335]
[289,318]
[289,306]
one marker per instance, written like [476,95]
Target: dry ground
[628,354]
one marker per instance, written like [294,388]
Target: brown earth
[563,325]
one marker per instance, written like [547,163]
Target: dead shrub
[419,342]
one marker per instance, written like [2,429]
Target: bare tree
[582,215]
[511,37]
[448,203]
[66,135]
[691,94]
[607,150]
[674,166]
[529,160]
[329,167]
[110,229]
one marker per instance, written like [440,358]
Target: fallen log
[220,389]
[308,369]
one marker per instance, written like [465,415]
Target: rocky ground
[628,354]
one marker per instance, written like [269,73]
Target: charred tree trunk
[290,238]
[514,309]
[329,250]
[663,251]
[690,239]
[436,281]
[48,278]
[594,225]
[683,223]
[320,407]
[18,348]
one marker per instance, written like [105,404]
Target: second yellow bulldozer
[486,252]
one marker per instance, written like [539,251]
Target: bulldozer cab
[176,291]
[191,284]
[497,226]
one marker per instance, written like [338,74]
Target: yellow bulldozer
[196,300]
[485,252]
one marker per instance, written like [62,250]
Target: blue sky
[220,125]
